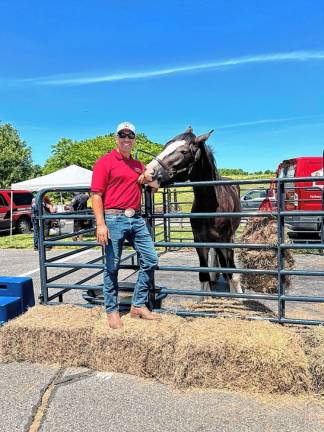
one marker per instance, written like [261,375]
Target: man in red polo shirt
[116,202]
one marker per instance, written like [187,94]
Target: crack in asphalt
[37,418]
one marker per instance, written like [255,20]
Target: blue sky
[251,70]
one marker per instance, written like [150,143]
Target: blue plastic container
[21,287]
[10,307]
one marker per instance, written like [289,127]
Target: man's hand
[141,179]
[145,178]
[102,234]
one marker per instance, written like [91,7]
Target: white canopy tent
[71,176]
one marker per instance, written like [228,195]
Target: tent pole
[59,222]
[11,196]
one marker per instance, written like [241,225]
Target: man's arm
[98,210]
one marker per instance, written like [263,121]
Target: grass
[25,241]
[184,195]
[17,241]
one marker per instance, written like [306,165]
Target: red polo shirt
[116,177]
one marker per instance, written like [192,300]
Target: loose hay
[232,308]
[262,230]
[205,353]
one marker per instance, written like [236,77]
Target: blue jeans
[134,230]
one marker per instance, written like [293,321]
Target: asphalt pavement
[49,399]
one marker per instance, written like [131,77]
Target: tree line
[16,162]
[238,171]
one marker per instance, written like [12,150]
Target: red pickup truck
[21,210]
[299,195]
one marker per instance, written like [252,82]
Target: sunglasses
[129,135]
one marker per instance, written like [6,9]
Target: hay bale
[262,230]
[313,339]
[207,353]
[50,335]
[142,348]
[239,355]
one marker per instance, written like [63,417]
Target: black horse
[187,157]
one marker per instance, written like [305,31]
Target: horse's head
[176,160]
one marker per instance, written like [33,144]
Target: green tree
[15,157]
[85,152]
[37,171]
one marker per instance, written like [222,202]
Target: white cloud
[73,79]
[268,121]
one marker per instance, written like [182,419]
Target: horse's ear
[202,138]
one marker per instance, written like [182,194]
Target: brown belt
[129,212]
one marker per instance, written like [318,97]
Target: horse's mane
[208,162]
[187,136]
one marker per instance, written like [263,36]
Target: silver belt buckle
[129,212]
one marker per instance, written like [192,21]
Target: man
[79,202]
[116,203]
[48,208]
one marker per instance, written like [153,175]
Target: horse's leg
[213,262]
[203,277]
[234,278]
[226,259]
